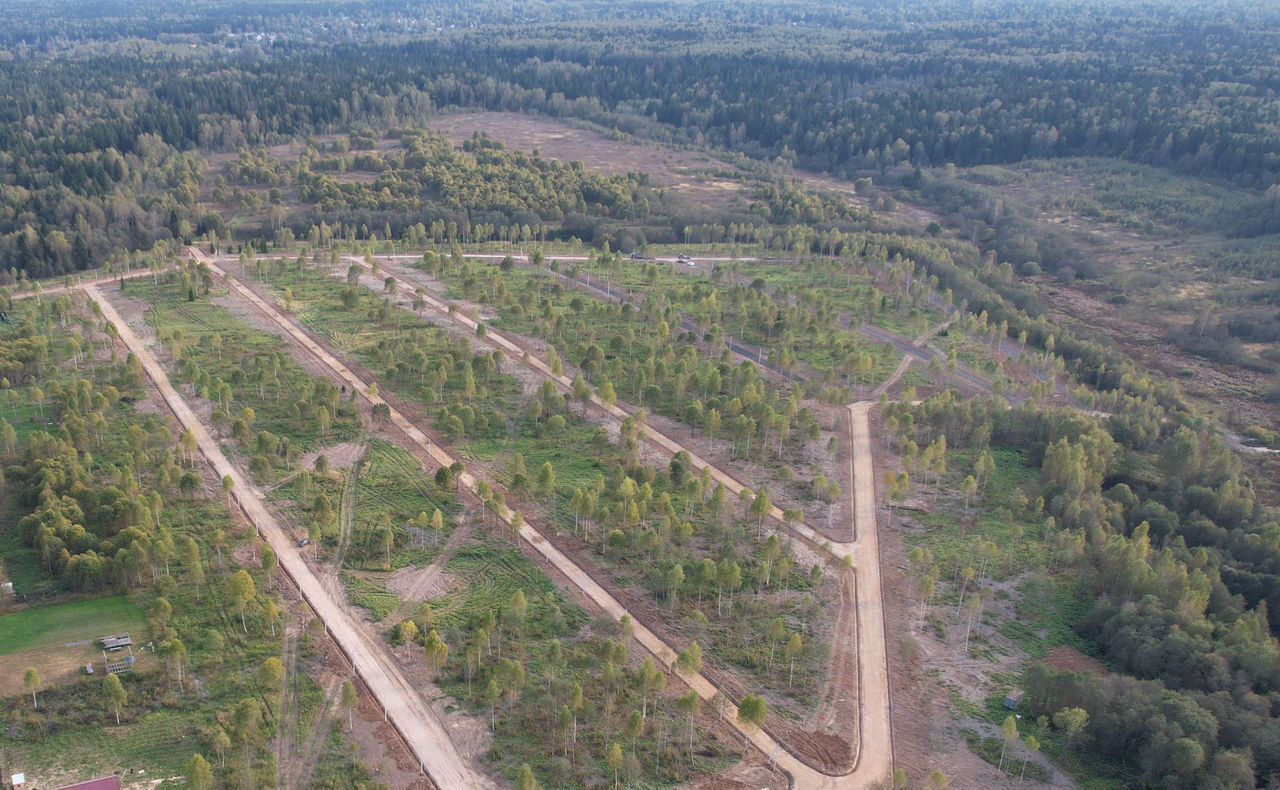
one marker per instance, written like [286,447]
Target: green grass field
[370,595]
[21,562]
[67,622]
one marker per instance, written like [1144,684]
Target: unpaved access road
[79,284]
[426,737]
[518,353]
[869,772]
[874,750]
[875,755]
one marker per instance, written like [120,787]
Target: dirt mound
[822,749]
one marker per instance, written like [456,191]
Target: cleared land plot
[1176,257]
[58,640]
[690,172]
[69,622]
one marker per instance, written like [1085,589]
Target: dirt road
[78,284]
[802,774]
[404,707]
[565,384]
[875,757]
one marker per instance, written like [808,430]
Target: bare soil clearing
[59,665]
[339,456]
[1068,659]
[415,585]
[916,216]
[1156,278]
[690,172]
[925,672]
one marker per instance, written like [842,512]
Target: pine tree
[199,773]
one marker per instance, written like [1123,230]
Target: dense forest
[1179,565]
[104,140]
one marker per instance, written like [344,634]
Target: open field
[42,626]
[708,179]
[1173,269]
[59,639]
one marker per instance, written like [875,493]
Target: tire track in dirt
[313,746]
[347,511]
[287,731]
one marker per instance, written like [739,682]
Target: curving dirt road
[426,737]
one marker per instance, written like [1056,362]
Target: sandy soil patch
[421,584]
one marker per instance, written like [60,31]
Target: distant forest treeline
[95,140]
